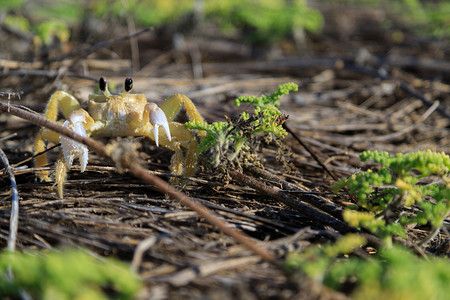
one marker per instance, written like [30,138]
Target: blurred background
[217,50]
[372,74]
[196,31]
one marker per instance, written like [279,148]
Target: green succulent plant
[225,140]
[418,180]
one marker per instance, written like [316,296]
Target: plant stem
[307,148]
[237,147]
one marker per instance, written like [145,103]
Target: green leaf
[375,191]
[68,274]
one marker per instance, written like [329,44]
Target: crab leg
[182,163]
[39,146]
[172,105]
[67,103]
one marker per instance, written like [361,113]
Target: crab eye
[102,84]
[128,84]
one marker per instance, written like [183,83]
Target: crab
[112,115]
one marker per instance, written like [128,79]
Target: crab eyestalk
[103,85]
[127,86]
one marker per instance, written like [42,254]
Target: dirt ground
[359,89]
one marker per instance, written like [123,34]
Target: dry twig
[14,219]
[307,148]
[309,198]
[307,210]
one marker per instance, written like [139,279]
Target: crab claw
[71,148]
[158,118]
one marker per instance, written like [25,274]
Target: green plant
[227,139]
[260,21]
[50,30]
[424,17]
[11,4]
[315,261]
[264,21]
[393,273]
[146,12]
[69,274]
[419,181]
[43,33]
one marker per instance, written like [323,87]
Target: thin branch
[434,232]
[14,166]
[140,250]
[104,44]
[147,177]
[308,197]
[307,148]
[310,212]
[14,219]
[11,94]
[187,275]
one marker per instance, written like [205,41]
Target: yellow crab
[112,115]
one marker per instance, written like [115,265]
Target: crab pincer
[158,118]
[70,148]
